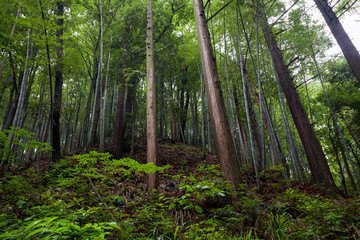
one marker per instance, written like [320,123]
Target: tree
[316,158]
[151,152]
[225,149]
[58,83]
[347,47]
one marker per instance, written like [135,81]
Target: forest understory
[92,196]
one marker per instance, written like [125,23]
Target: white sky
[350,22]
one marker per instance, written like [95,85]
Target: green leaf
[114,225]
[172,206]
[198,209]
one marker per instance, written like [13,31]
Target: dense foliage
[90,196]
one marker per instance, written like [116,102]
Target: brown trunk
[58,84]
[119,121]
[130,106]
[151,152]
[347,47]
[316,158]
[224,145]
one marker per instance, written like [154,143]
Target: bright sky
[350,22]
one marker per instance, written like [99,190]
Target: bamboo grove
[246,80]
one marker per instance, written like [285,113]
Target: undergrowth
[93,196]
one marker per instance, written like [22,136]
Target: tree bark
[315,155]
[119,120]
[347,47]
[225,149]
[151,151]
[58,83]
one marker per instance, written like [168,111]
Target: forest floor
[92,196]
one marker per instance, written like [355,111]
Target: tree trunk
[119,120]
[225,149]
[151,151]
[347,47]
[58,84]
[316,158]
[21,101]
[172,111]
[102,106]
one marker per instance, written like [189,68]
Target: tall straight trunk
[151,150]
[343,182]
[102,106]
[202,116]
[23,84]
[84,135]
[119,120]
[95,114]
[267,119]
[315,155]
[225,149]
[230,97]
[247,100]
[49,70]
[258,135]
[129,107]
[347,47]
[172,111]
[58,83]
[241,126]
[133,121]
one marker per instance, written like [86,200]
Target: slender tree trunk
[119,120]
[347,47]
[102,105]
[224,145]
[151,152]
[343,182]
[58,84]
[23,85]
[241,125]
[172,112]
[316,158]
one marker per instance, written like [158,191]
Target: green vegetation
[92,196]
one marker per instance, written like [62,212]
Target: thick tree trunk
[347,47]
[151,152]
[58,84]
[225,149]
[316,158]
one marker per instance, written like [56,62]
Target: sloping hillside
[92,196]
